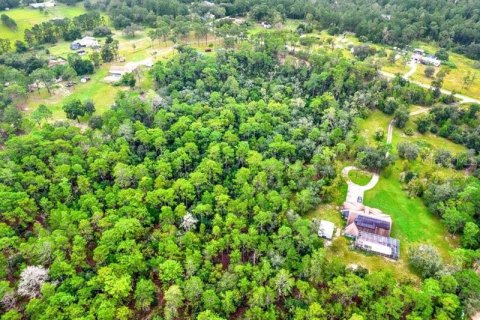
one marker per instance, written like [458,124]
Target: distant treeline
[51,31]
[453,25]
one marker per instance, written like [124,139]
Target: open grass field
[454,80]
[27,17]
[360,177]
[412,222]
[103,94]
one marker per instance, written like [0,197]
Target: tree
[96,58]
[401,116]
[41,113]
[128,79]
[74,109]
[31,281]
[45,76]
[188,222]
[20,46]
[423,123]
[429,71]
[89,107]
[201,31]
[5,46]
[81,66]
[144,294]
[8,22]
[471,236]
[407,150]
[425,259]
[442,54]
[170,271]
[379,134]
[173,301]
[131,30]
[283,282]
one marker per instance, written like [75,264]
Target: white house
[48,4]
[85,42]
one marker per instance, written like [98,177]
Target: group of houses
[116,72]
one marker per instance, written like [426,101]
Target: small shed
[325,230]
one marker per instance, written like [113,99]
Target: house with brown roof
[370,228]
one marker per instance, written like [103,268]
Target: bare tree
[31,280]
[188,222]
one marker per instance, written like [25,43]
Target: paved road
[354,190]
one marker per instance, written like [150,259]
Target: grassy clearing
[378,120]
[341,250]
[412,222]
[454,80]
[428,140]
[27,17]
[103,94]
[361,178]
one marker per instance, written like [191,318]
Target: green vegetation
[412,222]
[361,178]
[26,18]
[192,189]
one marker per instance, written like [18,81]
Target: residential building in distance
[85,42]
[48,4]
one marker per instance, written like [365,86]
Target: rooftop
[326,229]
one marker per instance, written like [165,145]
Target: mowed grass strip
[28,17]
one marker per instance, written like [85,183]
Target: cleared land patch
[28,17]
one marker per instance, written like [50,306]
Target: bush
[102,31]
[425,259]
[442,54]
[408,131]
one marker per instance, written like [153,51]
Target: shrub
[425,259]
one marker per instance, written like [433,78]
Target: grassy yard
[361,178]
[103,94]
[412,222]
[27,17]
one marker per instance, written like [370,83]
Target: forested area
[190,198]
[189,203]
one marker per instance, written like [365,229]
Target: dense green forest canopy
[189,199]
[189,203]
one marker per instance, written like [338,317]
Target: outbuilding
[326,229]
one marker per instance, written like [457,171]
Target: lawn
[361,178]
[103,94]
[412,222]
[27,17]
